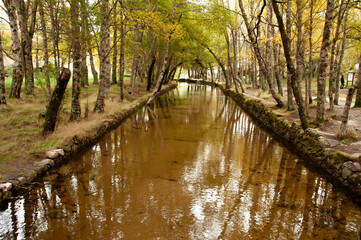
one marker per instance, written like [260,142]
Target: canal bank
[340,168]
[75,145]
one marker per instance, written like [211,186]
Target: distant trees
[238,43]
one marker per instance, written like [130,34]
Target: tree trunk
[342,52]
[84,66]
[121,57]
[55,36]
[84,35]
[75,113]
[322,69]
[115,50]
[261,62]
[300,50]
[333,61]
[92,66]
[351,91]
[290,106]
[150,73]
[104,58]
[290,66]
[26,41]
[46,51]
[308,97]
[18,69]
[2,75]
[52,109]
[138,36]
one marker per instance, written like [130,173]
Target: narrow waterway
[194,166]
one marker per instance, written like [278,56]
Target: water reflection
[191,167]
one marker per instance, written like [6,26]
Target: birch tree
[45,49]
[75,113]
[18,68]
[104,57]
[27,33]
[2,75]
[322,69]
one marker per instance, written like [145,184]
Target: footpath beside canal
[15,182]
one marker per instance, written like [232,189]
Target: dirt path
[329,129]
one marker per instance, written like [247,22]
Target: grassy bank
[21,141]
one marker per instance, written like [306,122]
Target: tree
[254,42]
[52,109]
[18,69]
[27,33]
[121,50]
[294,74]
[321,76]
[346,111]
[2,75]
[104,57]
[75,112]
[46,52]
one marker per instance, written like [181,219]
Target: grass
[21,141]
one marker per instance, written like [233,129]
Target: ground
[21,140]
[331,126]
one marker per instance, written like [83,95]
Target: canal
[193,166]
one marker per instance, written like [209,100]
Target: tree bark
[300,49]
[26,41]
[84,35]
[52,109]
[150,73]
[18,69]
[115,48]
[75,113]
[46,51]
[121,55]
[92,66]
[290,106]
[290,66]
[342,53]
[2,75]
[322,69]
[308,97]
[104,58]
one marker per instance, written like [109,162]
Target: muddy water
[192,167]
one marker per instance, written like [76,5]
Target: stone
[52,154]
[324,142]
[21,179]
[356,156]
[45,163]
[333,143]
[346,173]
[4,187]
[353,166]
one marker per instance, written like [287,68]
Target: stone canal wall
[75,146]
[339,168]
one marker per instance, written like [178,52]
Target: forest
[297,51]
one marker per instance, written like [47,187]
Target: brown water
[193,167]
